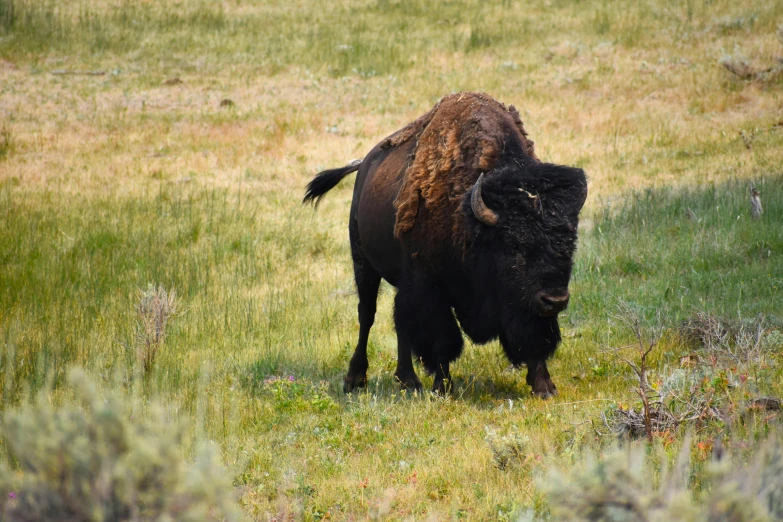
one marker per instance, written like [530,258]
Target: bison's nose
[551,301]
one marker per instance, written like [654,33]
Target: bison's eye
[531,201]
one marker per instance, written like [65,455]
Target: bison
[458,213]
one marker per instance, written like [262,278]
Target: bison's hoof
[546,393]
[353,382]
[409,382]
[442,387]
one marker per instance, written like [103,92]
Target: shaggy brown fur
[461,137]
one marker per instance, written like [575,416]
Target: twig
[580,402]
[746,72]
[746,139]
[64,72]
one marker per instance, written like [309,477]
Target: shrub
[743,344]
[621,487]
[87,462]
[507,450]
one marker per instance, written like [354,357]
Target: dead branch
[631,319]
[742,69]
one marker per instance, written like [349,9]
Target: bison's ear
[570,183]
[580,191]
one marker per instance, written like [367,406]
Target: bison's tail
[326,181]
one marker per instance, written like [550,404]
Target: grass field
[138,174]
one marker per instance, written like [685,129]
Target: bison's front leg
[538,378]
[405,374]
[531,341]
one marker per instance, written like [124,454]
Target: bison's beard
[529,338]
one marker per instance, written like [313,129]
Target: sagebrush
[88,462]
[626,485]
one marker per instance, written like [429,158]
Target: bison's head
[525,224]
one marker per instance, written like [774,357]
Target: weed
[646,344]
[155,309]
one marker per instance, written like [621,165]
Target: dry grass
[629,112]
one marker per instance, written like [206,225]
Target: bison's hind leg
[367,283]
[426,323]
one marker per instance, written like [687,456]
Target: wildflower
[11,495]
[291,378]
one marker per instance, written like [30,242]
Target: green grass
[73,267]
[111,183]
[258,309]
[685,249]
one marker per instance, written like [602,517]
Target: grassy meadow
[181,161]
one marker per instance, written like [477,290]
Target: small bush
[155,310]
[508,450]
[89,463]
[749,492]
[743,344]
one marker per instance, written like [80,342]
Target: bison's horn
[482,212]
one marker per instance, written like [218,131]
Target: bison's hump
[462,136]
